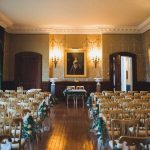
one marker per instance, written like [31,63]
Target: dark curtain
[1,54]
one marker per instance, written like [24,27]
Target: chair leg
[76,101]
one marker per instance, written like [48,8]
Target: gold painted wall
[6,58]
[27,42]
[123,43]
[74,42]
[40,43]
[146,51]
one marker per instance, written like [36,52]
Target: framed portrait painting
[75,63]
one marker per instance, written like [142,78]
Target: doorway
[1,68]
[1,54]
[126,73]
[123,74]
[28,70]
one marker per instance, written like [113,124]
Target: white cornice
[75,30]
[5,22]
[144,26]
[104,29]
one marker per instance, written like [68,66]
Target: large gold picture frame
[75,63]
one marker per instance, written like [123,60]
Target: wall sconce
[95,60]
[95,56]
[95,49]
[55,55]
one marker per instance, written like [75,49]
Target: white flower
[29,132]
[29,126]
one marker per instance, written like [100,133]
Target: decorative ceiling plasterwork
[101,29]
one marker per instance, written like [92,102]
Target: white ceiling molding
[5,22]
[104,29]
[76,30]
[144,26]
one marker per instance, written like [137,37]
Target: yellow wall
[123,43]
[40,43]
[27,42]
[146,51]
[67,42]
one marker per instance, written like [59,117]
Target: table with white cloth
[75,95]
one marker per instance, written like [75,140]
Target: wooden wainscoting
[45,86]
[90,86]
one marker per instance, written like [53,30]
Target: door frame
[17,75]
[2,34]
[1,67]
[134,66]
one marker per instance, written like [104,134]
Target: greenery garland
[89,102]
[98,124]
[43,110]
[29,128]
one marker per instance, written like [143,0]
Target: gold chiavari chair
[5,140]
[125,94]
[116,97]
[146,105]
[148,94]
[118,92]
[132,92]
[106,92]
[129,96]
[120,127]
[135,143]
[82,96]
[147,127]
[71,95]
[143,92]
[15,131]
[146,98]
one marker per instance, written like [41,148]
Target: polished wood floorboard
[69,129]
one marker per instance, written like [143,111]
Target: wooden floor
[69,130]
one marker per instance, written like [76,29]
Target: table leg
[74,101]
[67,101]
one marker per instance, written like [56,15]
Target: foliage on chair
[43,110]
[102,132]
[52,100]
[98,124]
[29,127]
[89,102]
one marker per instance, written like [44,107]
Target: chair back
[70,87]
[80,87]
[120,127]
[3,139]
[138,142]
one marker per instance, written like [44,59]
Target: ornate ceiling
[75,16]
